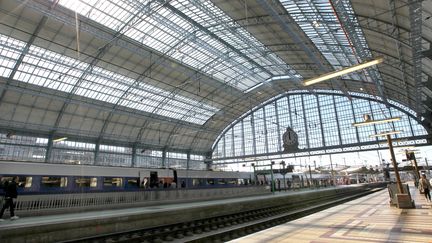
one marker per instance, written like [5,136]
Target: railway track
[228,227]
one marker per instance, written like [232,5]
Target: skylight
[10,50]
[56,71]
[195,33]
[319,22]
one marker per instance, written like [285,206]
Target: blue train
[44,178]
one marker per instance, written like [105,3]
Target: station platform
[63,227]
[367,219]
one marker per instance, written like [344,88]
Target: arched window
[321,121]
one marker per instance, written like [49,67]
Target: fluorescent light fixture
[253,87]
[381,134]
[59,139]
[342,71]
[376,121]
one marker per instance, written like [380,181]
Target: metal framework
[318,128]
[415,17]
[172,76]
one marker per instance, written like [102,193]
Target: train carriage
[44,178]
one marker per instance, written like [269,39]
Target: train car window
[86,182]
[113,181]
[210,182]
[195,182]
[5,179]
[54,181]
[93,182]
[221,182]
[243,182]
[198,182]
[22,182]
[132,182]
[231,181]
[28,181]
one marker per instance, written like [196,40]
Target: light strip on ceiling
[376,121]
[59,139]
[342,71]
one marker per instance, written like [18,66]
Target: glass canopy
[56,71]
[320,23]
[194,32]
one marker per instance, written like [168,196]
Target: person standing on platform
[426,186]
[11,195]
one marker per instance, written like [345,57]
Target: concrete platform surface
[367,219]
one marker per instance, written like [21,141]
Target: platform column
[49,148]
[134,153]
[398,180]
[164,152]
[188,160]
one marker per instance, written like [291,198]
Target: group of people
[10,197]
[425,187]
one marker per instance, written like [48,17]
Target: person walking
[11,195]
[425,186]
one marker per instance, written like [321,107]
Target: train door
[154,179]
[144,177]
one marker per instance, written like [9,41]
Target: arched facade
[322,121]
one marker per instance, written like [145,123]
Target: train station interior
[215,120]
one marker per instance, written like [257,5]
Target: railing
[77,202]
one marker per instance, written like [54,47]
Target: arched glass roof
[322,121]
[172,75]
[195,33]
[57,71]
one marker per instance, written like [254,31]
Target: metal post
[134,155]
[310,175]
[49,149]
[427,166]
[283,174]
[272,179]
[398,180]
[332,172]
[416,166]
[254,174]
[411,157]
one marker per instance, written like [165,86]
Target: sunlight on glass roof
[197,40]
[320,23]
[10,50]
[52,70]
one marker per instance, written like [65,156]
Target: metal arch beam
[104,35]
[145,10]
[415,16]
[205,30]
[415,39]
[387,31]
[297,39]
[94,29]
[331,149]
[396,90]
[234,102]
[141,77]
[193,142]
[99,54]
[22,55]
[101,34]
[387,35]
[303,93]
[355,39]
